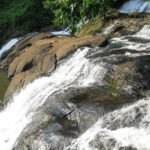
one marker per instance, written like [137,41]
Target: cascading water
[8,45]
[127,128]
[135,6]
[77,71]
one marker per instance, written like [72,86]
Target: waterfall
[135,6]
[60,33]
[8,45]
[77,71]
[108,29]
[126,127]
[144,32]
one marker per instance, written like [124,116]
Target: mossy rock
[4,83]
[93,26]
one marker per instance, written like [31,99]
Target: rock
[93,26]
[37,54]
[4,83]
[127,148]
[67,114]
[119,24]
[67,122]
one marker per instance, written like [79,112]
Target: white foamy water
[77,71]
[129,44]
[108,29]
[8,45]
[135,6]
[59,33]
[144,32]
[100,135]
[127,127]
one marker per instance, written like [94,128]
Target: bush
[72,12]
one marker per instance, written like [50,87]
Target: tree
[72,12]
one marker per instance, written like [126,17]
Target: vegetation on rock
[4,82]
[113,87]
[93,26]
[72,13]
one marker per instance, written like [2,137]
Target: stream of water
[135,6]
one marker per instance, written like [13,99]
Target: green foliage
[21,16]
[113,88]
[72,12]
[93,26]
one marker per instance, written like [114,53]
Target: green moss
[113,89]
[4,83]
[93,26]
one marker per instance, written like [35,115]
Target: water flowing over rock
[70,74]
[120,129]
[36,53]
[86,103]
[8,45]
[145,32]
[135,6]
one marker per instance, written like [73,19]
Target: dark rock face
[144,70]
[127,148]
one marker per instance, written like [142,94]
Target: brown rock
[36,55]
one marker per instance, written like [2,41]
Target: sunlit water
[8,45]
[136,6]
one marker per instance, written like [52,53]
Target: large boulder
[37,54]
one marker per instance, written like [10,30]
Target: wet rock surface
[36,53]
[115,24]
[68,113]
[64,118]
